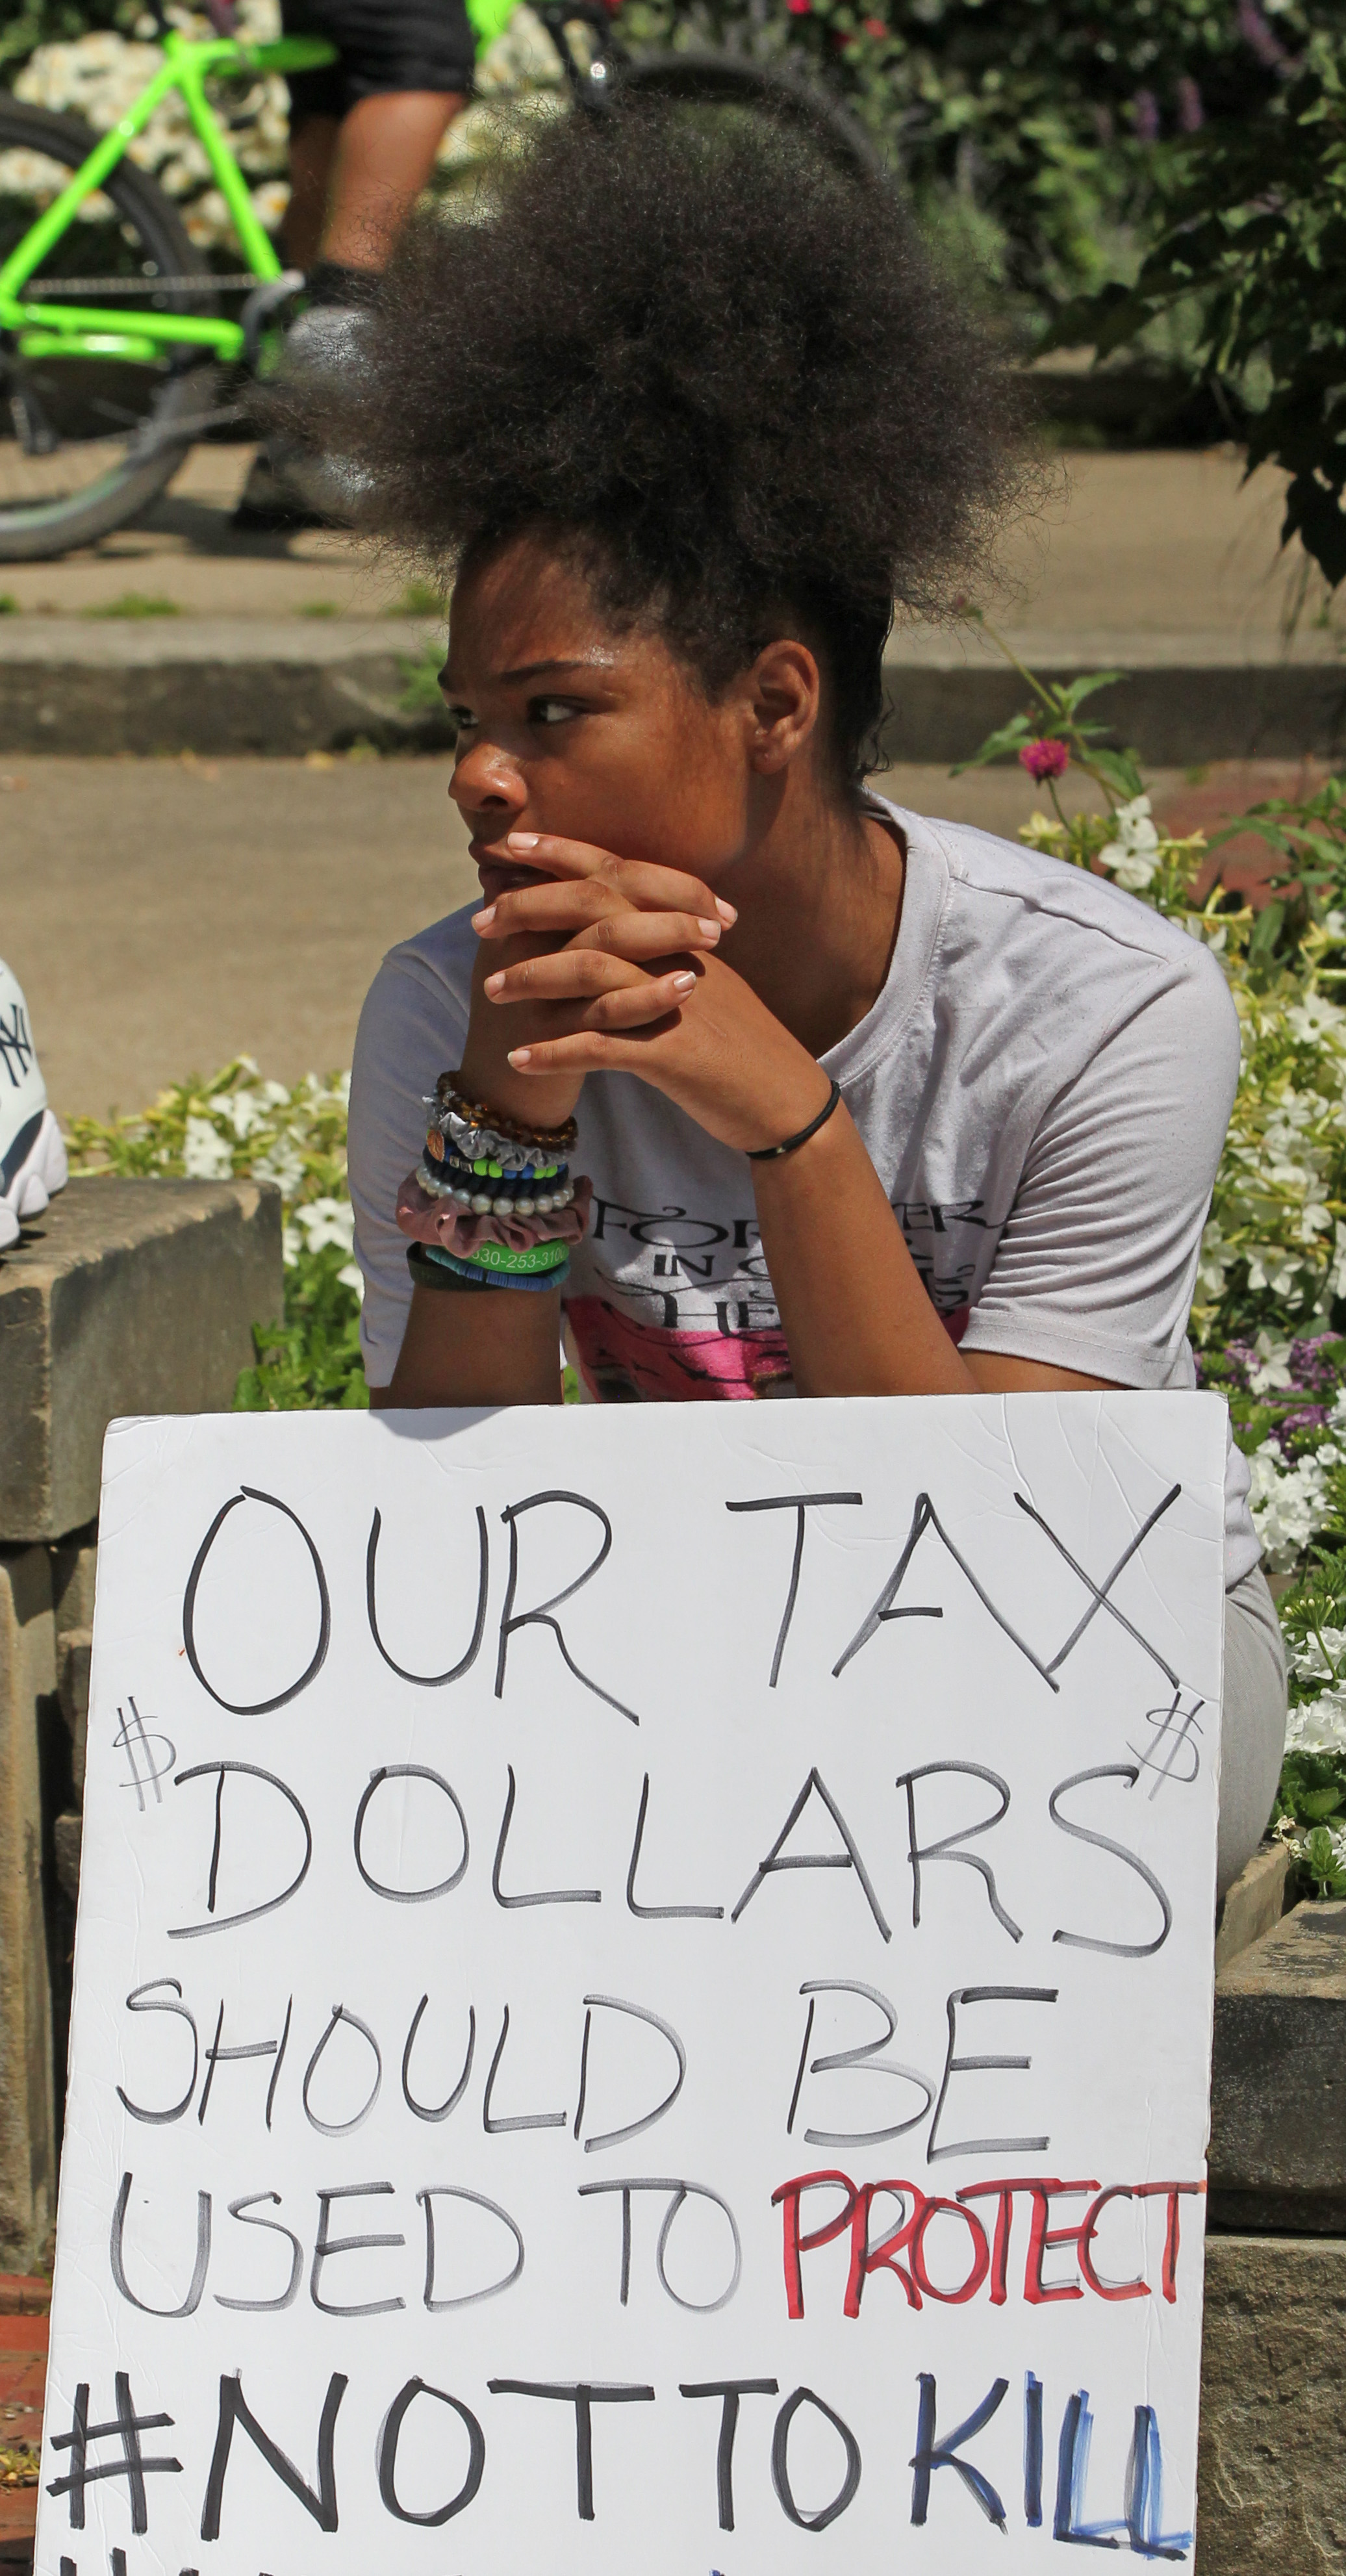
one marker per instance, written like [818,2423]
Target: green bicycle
[116,350]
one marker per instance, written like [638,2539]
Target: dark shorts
[385,46]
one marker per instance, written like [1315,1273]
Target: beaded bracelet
[478,1114]
[488,1167]
[488,1199]
[449,1139]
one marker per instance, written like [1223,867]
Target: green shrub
[1254,251]
[1040,137]
[294,1135]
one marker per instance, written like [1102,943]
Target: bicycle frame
[75,330]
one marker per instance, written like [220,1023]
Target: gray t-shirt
[1043,1086]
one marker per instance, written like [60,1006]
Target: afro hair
[712,361]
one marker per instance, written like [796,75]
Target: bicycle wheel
[723,80]
[87,442]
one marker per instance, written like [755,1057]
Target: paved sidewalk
[1164,565]
[1164,542]
[166,915]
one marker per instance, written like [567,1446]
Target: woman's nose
[485,781]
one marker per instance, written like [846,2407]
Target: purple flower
[1258,35]
[1145,109]
[1310,1417]
[1241,1359]
[1191,111]
[1312,1366]
[1045,758]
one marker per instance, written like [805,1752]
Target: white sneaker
[327,346]
[32,1154]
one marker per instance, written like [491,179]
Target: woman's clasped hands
[617,964]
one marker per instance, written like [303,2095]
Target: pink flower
[1045,758]
[877,28]
[800,8]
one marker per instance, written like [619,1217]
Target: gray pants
[1252,1738]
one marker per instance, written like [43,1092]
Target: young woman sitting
[870,1104]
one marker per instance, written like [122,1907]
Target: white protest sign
[642,1992]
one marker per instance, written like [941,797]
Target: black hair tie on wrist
[774,1153]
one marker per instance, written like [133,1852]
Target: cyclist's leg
[385,154]
[313,141]
[404,72]
[318,101]
[405,69]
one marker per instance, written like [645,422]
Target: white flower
[242,1109]
[205,1154]
[210,226]
[1288,1503]
[282,1165]
[1134,855]
[1318,1725]
[1273,1269]
[269,203]
[327,1221]
[1315,1019]
[1318,1658]
[1273,1369]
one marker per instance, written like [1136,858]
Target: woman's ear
[784,687]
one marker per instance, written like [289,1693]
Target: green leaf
[1076,691]
[998,746]
[1119,770]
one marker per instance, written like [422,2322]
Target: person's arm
[501,1345]
[853,1306]
[1093,1279]
[496,1345]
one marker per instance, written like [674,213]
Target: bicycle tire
[729,80]
[33,532]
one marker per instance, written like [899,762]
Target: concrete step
[220,685]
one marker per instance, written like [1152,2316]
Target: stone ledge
[286,685]
[1271,2483]
[1278,2080]
[1253,1905]
[125,1297]
[74,1651]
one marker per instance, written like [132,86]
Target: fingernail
[521,1055]
[711,928]
[523,840]
[494,982]
[682,983]
[726,911]
[483,920]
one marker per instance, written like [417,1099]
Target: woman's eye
[462,718]
[550,711]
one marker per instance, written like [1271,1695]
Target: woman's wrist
[486,1074]
[538,1100]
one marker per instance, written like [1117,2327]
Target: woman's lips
[500,875]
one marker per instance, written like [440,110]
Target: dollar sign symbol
[132,1740]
